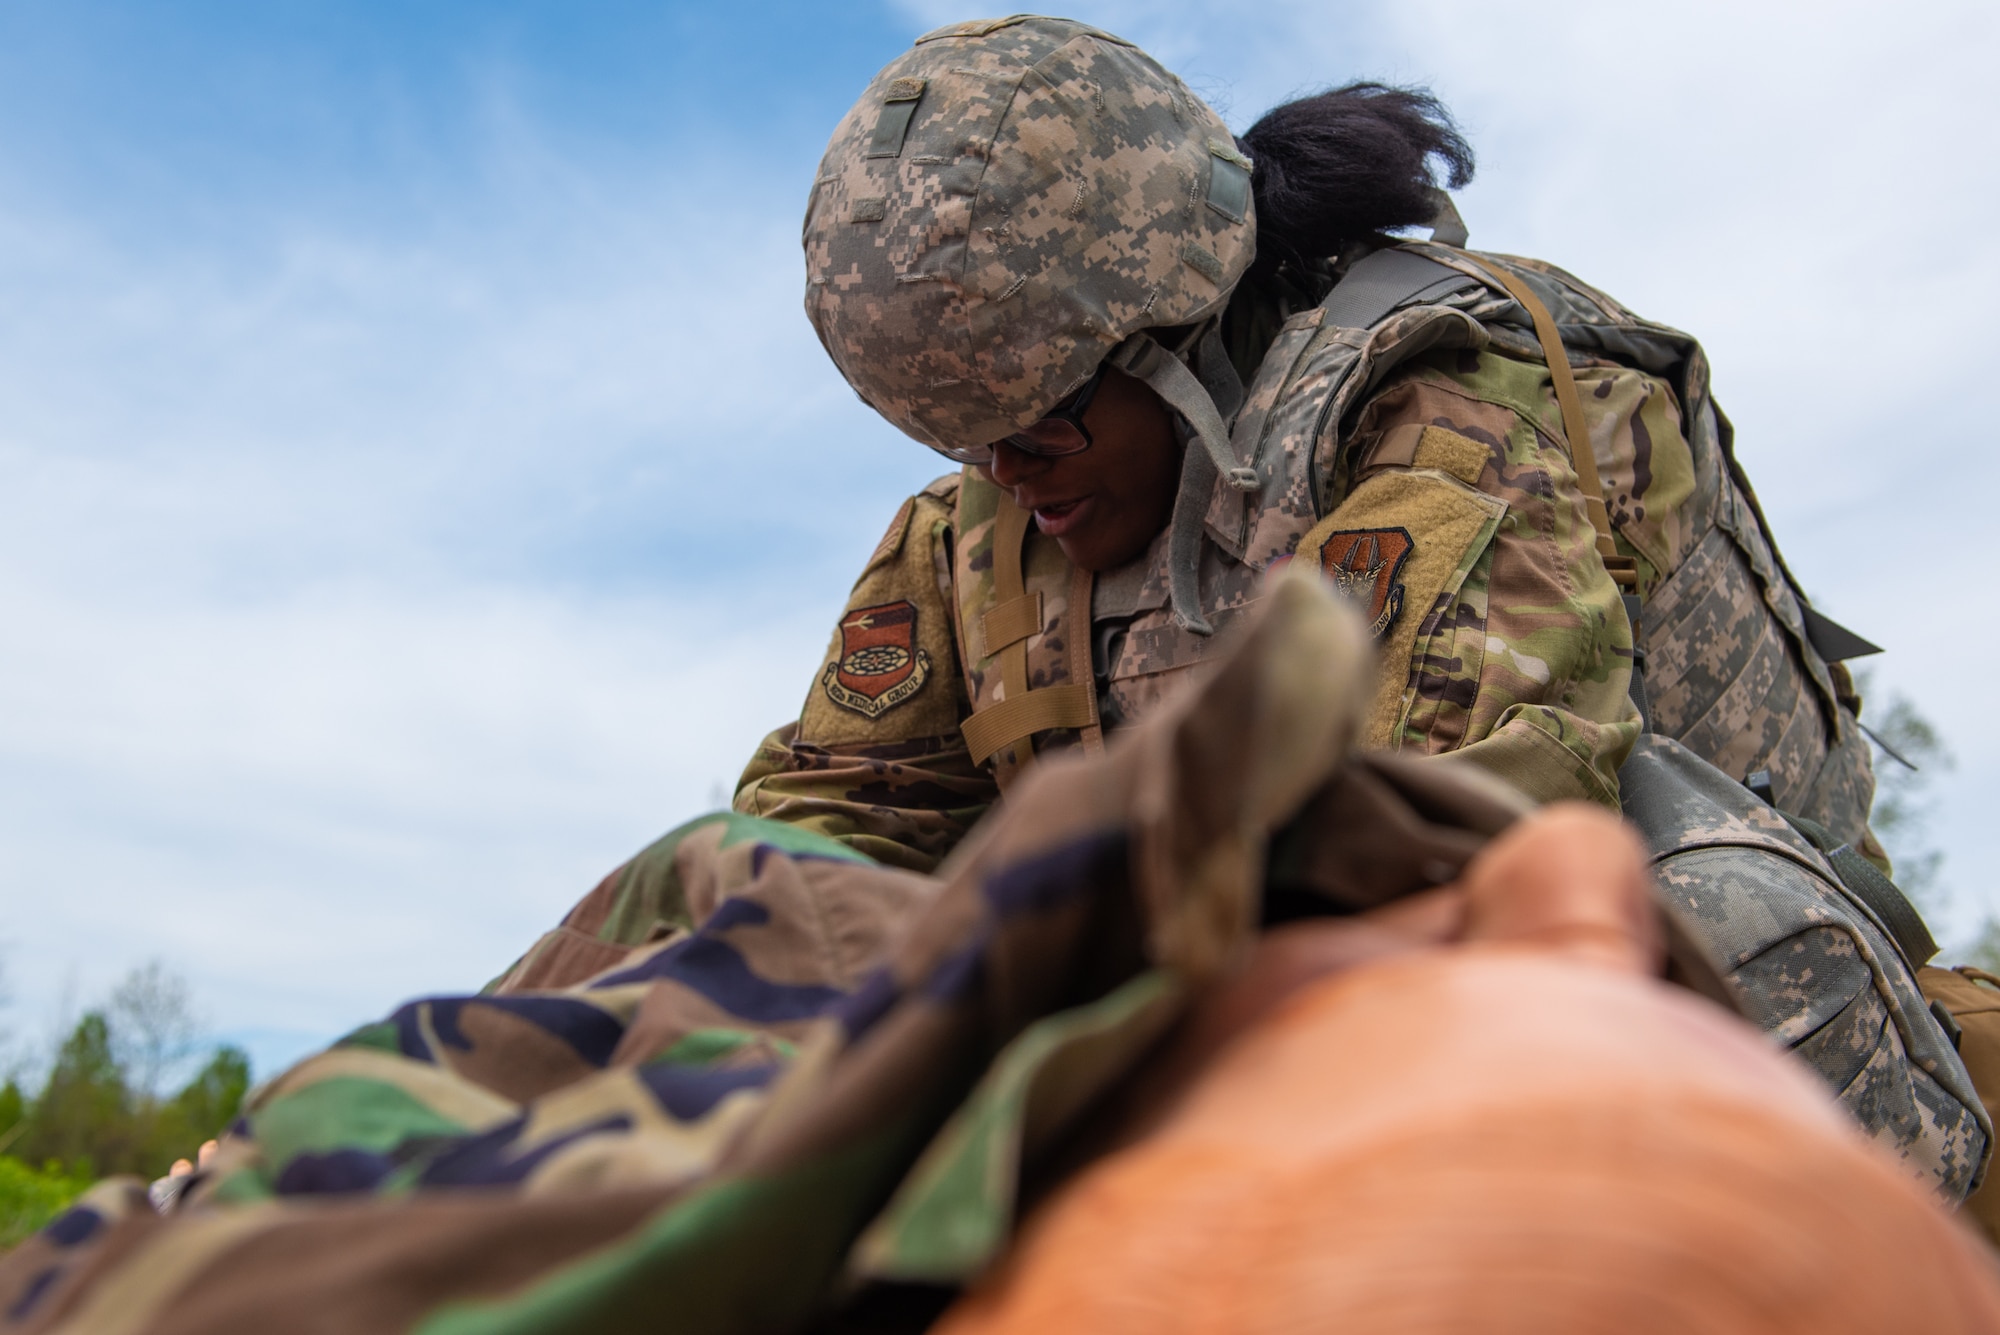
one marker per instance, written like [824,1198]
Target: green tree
[104,1106]
[1910,758]
[83,1116]
[206,1106]
[13,1114]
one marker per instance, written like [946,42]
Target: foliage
[93,1116]
[1901,816]
[1984,952]
[30,1197]
[1903,797]
[103,1107]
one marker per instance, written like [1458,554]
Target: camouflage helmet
[1009,202]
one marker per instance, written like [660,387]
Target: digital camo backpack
[1819,945]
[1817,958]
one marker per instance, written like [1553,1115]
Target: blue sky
[421,488]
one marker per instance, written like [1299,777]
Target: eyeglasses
[1058,432]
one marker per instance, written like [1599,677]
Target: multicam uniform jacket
[1421,461]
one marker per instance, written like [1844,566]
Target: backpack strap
[1393,277]
[1892,908]
[1624,570]
[1378,283]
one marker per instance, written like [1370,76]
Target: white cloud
[372,590]
[319,806]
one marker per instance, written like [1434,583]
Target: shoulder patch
[880,665]
[1364,564]
[1404,541]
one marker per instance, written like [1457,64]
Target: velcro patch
[1363,564]
[1444,527]
[880,665]
[1414,445]
[1229,184]
[1203,262]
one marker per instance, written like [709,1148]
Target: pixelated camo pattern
[1813,965]
[1004,205]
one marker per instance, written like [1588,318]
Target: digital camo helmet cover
[1009,201]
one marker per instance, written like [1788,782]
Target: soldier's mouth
[1061,517]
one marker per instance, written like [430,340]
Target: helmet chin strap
[1167,376]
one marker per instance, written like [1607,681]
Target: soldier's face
[1104,504]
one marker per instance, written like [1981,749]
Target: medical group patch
[1363,564]
[880,665]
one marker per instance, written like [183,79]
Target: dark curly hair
[1346,163]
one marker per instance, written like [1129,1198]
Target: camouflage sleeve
[876,759]
[1518,650]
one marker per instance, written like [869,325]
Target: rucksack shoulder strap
[1379,283]
[1582,456]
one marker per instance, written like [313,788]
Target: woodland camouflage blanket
[814,1075]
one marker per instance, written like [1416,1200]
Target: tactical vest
[1727,633]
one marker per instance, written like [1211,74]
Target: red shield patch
[1363,564]
[880,665]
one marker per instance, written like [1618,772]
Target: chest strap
[1016,616]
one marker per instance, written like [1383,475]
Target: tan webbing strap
[1582,456]
[1080,668]
[1010,531]
[1015,616]
[1015,719]
[1011,622]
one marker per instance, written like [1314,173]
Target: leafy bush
[105,1106]
[31,1197]
[95,1120]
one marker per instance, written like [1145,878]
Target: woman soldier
[1035,251]
[1168,359]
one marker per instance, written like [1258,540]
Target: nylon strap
[1010,530]
[1081,669]
[1015,616]
[1179,388]
[1009,623]
[1072,705]
[1893,911]
[1388,279]
[1582,456]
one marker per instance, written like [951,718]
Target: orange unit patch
[880,665]
[1363,564]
